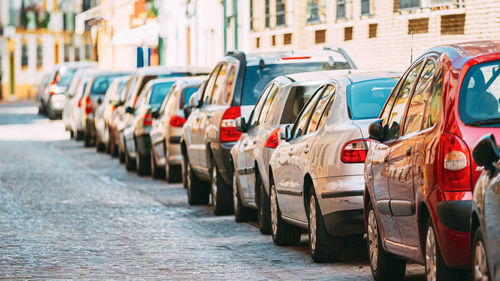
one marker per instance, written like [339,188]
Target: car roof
[292,56]
[162,70]
[106,72]
[475,48]
[75,64]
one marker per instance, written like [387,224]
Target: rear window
[256,79]
[101,84]
[479,95]
[188,92]
[64,76]
[366,99]
[296,100]
[159,92]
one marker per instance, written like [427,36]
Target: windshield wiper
[484,122]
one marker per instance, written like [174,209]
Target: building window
[320,36]
[273,40]
[88,52]
[348,33]
[257,42]
[251,15]
[453,24]
[341,9]
[365,7]
[418,26]
[39,55]
[280,13]
[315,12]
[24,55]
[406,4]
[435,3]
[287,39]
[67,48]
[372,30]
[77,53]
[267,13]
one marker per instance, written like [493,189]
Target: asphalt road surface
[69,212]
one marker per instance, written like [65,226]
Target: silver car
[316,172]
[166,131]
[281,102]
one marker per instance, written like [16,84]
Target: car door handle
[245,143]
[197,118]
[306,150]
[408,151]
[254,141]
[209,115]
[290,153]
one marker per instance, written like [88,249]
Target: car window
[320,107]
[297,98]
[267,104]
[365,99]
[228,95]
[186,95]
[398,110]
[159,92]
[141,99]
[416,109]
[171,101]
[101,83]
[433,107]
[220,86]
[258,107]
[64,76]
[480,94]
[207,95]
[170,94]
[300,126]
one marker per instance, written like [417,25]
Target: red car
[419,170]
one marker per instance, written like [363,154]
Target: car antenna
[411,46]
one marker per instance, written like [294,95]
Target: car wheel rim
[430,255]
[373,239]
[235,195]
[274,211]
[214,187]
[480,264]
[312,223]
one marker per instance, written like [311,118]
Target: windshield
[296,100]
[188,92]
[256,79]
[480,94]
[101,84]
[365,99]
[159,92]
[64,76]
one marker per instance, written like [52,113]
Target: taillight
[88,106]
[228,130]
[52,93]
[177,121]
[273,140]
[354,152]
[453,165]
[80,102]
[148,120]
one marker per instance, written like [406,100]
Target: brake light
[273,140]
[53,83]
[148,120]
[354,151]
[228,130]
[80,102]
[88,106]
[453,165]
[52,93]
[296,58]
[177,121]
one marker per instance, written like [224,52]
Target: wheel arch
[308,185]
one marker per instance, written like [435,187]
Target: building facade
[36,35]
[376,33]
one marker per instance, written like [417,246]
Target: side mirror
[155,114]
[99,100]
[486,153]
[376,130]
[286,132]
[193,101]
[241,125]
[129,110]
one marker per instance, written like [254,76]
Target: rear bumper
[344,223]
[57,103]
[222,155]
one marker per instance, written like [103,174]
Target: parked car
[93,97]
[279,105]
[232,90]
[135,86]
[52,99]
[136,136]
[103,113]
[166,130]
[42,87]
[316,171]
[114,119]
[419,172]
[485,217]
[72,112]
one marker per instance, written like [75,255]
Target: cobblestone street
[69,212]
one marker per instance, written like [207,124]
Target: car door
[288,175]
[395,169]
[403,165]
[196,140]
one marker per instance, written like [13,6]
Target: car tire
[121,155]
[384,266]
[263,208]
[79,135]
[172,172]
[87,139]
[71,134]
[220,193]
[480,269]
[51,114]
[184,170]
[129,163]
[198,192]
[156,172]
[324,248]
[435,267]
[142,164]
[241,213]
[283,234]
